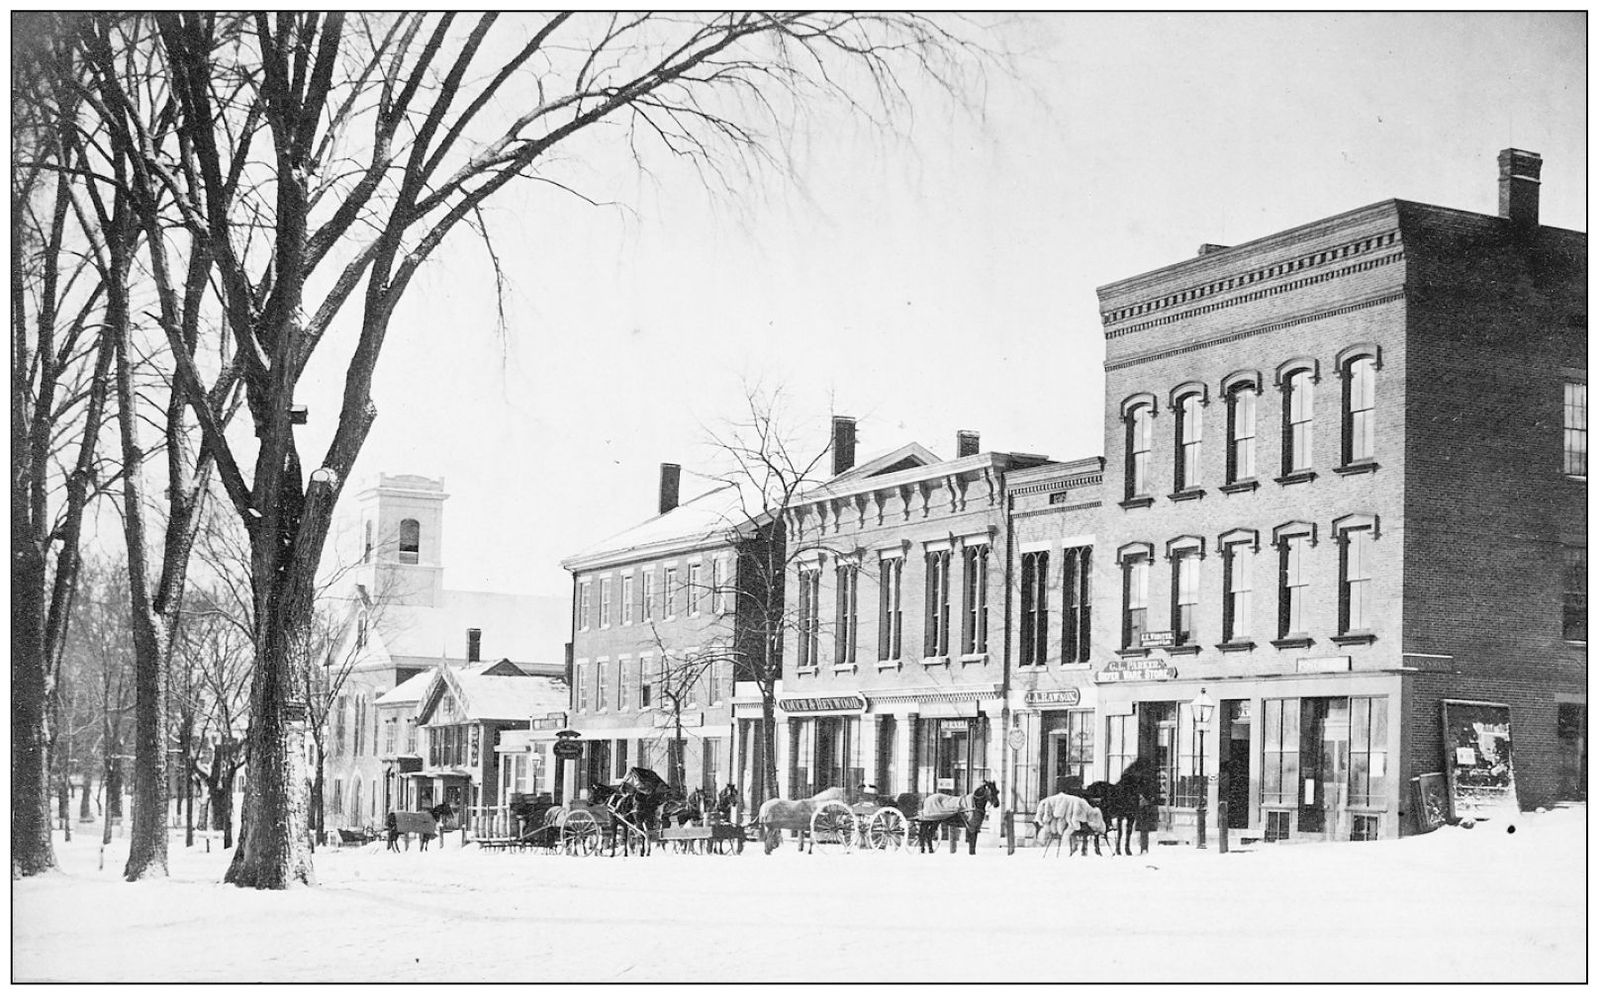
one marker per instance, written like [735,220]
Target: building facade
[655,646]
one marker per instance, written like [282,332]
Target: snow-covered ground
[1458,905]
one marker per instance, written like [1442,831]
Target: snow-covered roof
[511,698]
[409,691]
[711,517]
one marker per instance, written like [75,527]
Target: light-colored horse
[1063,815]
[778,815]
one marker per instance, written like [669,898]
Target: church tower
[401,536]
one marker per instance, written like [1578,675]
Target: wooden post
[1006,826]
[952,834]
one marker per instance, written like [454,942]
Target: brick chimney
[474,635]
[1518,188]
[845,444]
[967,443]
[667,491]
[1209,248]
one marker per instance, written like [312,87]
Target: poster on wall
[1478,740]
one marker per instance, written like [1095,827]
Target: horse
[636,801]
[440,812]
[678,811]
[939,808]
[727,804]
[1069,815]
[1123,805]
[776,815]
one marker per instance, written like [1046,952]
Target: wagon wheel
[887,830]
[581,833]
[834,824]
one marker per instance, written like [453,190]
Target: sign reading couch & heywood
[854,703]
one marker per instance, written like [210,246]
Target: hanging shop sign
[1048,698]
[1016,739]
[566,749]
[854,703]
[1126,670]
[550,722]
[1157,639]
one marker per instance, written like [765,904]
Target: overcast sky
[933,282]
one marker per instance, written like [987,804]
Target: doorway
[1235,769]
[1326,730]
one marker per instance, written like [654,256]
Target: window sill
[1186,649]
[1240,486]
[1189,493]
[1132,653]
[934,660]
[1355,638]
[806,670]
[889,664]
[845,667]
[1573,644]
[1136,502]
[1081,666]
[1293,641]
[1236,646]
[983,658]
[1574,478]
[1299,476]
[1356,468]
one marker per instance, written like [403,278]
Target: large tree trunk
[274,850]
[770,754]
[318,784]
[31,848]
[113,783]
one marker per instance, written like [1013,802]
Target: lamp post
[1201,714]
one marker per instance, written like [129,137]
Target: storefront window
[1366,778]
[1065,750]
[951,755]
[1281,747]
[1122,745]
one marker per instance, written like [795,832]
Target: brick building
[656,629]
[1345,485]
[894,668]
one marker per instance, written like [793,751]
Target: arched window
[1241,411]
[410,533]
[1298,448]
[1138,422]
[1357,409]
[1187,442]
[1135,561]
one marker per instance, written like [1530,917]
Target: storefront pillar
[781,746]
[906,759]
[868,748]
[996,758]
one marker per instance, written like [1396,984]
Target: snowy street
[1459,905]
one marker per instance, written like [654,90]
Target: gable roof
[715,517]
[492,691]
[908,456]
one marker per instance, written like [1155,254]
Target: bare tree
[279,163]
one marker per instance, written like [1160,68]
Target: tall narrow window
[1357,433]
[1186,594]
[693,589]
[584,605]
[1574,440]
[1293,581]
[937,604]
[606,602]
[644,680]
[890,608]
[1076,605]
[975,611]
[603,684]
[1032,614]
[627,596]
[1187,443]
[1238,591]
[1137,447]
[410,539]
[1281,749]
[367,541]
[1137,574]
[670,579]
[647,596]
[1298,455]
[1574,606]
[1357,574]
[845,614]
[719,587]
[581,686]
[807,603]
[1242,407]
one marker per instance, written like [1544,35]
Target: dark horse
[938,808]
[637,802]
[441,812]
[1123,805]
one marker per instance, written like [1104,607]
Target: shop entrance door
[1159,727]
[1236,768]
[1326,732]
[951,758]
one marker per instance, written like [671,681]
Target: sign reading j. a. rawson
[1124,670]
[1038,698]
[818,704]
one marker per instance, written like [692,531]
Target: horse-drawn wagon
[826,819]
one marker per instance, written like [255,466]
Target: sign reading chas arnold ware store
[1124,670]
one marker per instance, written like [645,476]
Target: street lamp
[1201,714]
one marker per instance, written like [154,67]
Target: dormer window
[410,539]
